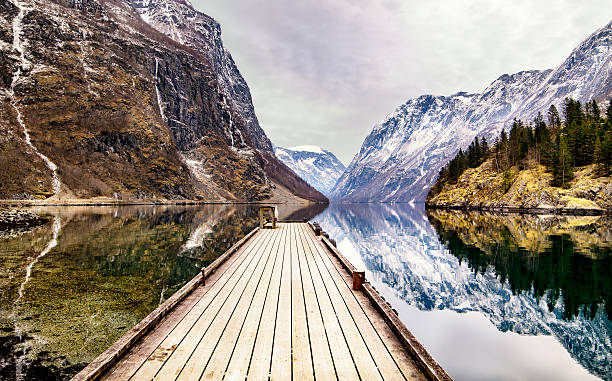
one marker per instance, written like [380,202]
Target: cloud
[324,72]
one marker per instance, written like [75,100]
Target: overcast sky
[323,72]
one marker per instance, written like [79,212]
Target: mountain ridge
[400,158]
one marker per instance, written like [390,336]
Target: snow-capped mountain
[400,250]
[320,168]
[402,156]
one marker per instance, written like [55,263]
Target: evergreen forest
[583,137]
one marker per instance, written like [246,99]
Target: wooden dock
[278,305]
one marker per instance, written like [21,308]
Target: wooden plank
[382,356]
[341,354]
[220,306]
[259,366]
[138,354]
[280,369]
[321,356]
[230,316]
[238,366]
[242,320]
[300,341]
[359,349]
[281,307]
[161,354]
[410,343]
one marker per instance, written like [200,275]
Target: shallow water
[70,288]
[491,297]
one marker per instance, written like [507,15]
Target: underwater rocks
[16,218]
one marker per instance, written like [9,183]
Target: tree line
[584,137]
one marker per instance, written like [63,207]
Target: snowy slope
[320,168]
[402,156]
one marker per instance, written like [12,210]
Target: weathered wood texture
[280,307]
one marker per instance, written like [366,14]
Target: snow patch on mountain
[318,167]
[400,159]
[313,149]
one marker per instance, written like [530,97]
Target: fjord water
[70,288]
[474,288]
[491,297]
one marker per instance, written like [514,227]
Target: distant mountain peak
[307,148]
[319,168]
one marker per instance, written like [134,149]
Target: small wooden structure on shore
[279,305]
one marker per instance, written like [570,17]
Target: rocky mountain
[403,256]
[128,99]
[320,168]
[402,156]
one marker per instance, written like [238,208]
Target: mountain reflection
[528,275]
[106,269]
[557,257]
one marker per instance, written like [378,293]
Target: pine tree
[598,155]
[606,146]
[593,111]
[506,180]
[484,149]
[541,138]
[573,112]
[563,168]
[554,120]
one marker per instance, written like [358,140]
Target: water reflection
[70,288]
[491,297]
[564,259]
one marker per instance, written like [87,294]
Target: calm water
[71,288]
[491,297]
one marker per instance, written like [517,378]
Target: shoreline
[29,203]
[524,210]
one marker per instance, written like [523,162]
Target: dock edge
[425,361]
[99,365]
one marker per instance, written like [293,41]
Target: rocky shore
[17,218]
[526,191]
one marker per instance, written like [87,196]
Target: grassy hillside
[484,187]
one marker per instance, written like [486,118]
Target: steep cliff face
[128,100]
[402,156]
[184,25]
